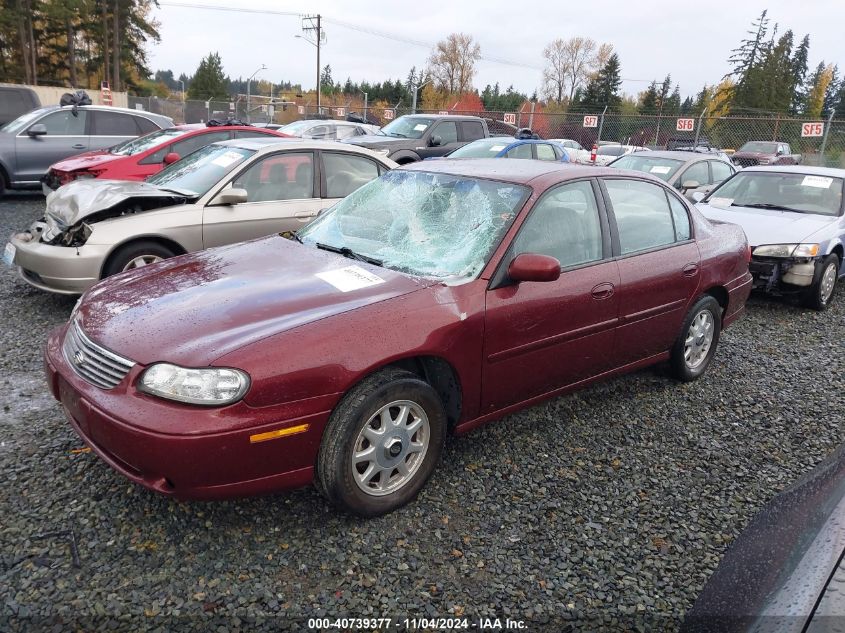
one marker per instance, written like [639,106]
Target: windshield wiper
[348,252]
[399,134]
[768,205]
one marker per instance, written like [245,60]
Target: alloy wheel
[699,339]
[141,261]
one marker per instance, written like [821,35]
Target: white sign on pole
[812,129]
[591,121]
[139,106]
[231,105]
[443,112]
[340,111]
[388,114]
[685,125]
[300,109]
[510,117]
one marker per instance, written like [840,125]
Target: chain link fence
[825,147]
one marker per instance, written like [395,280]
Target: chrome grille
[94,363]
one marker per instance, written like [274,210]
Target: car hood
[87,160]
[193,309]
[82,199]
[768,226]
[371,140]
[752,155]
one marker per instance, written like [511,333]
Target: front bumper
[62,269]
[783,275]
[208,454]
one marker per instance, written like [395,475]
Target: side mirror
[171,157]
[780,152]
[322,211]
[534,267]
[698,196]
[229,197]
[435,141]
[39,129]
[690,184]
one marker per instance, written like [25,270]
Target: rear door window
[520,151]
[113,124]
[471,130]
[643,217]
[546,152]
[145,126]
[346,172]
[192,144]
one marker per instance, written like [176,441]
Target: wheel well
[720,295]
[405,160]
[173,246]
[442,377]
[840,252]
[4,178]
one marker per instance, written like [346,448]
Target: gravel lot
[609,507]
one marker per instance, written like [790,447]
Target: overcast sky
[692,41]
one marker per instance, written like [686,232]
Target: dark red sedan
[436,298]
[141,157]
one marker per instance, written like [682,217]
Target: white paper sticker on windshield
[821,182]
[722,203]
[497,148]
[419,127]
[350,278]
[226,159]
[660,169]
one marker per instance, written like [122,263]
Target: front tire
[136,255]
[381,444]
[818,295]
[695,347]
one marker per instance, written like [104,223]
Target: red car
[436,298]
[141,157]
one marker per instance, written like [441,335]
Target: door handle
[690,270]
[78,146]
[602,291]
[304,214]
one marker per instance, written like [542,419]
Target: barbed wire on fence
[825,147]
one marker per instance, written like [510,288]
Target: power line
[361,29]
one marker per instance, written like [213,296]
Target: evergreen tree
[746,57]
[649,100]
[603,89]
[672,106]
[839,107]
[799,75]
[209,83]
[686,106]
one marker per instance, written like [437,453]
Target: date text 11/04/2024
[411,624]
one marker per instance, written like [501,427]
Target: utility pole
[315,25]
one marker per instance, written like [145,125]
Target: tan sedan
[224,193]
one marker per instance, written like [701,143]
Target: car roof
[800,169]
[194,127]
[445,116]
[280,142]
[519,171]
[325,122]
[142,113]
[687,157]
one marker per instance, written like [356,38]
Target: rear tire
[381,444]
[699,338]
[818,295]
[136,255]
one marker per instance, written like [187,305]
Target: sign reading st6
[685,125]
[591,121]
[812,129]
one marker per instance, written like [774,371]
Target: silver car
[37,139]
[794,217]
[224,193]
[328,129]
[688,172]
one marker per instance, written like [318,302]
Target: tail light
[593,152]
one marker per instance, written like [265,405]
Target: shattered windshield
[199,171]
[407,127]
[428,224]
[143,143]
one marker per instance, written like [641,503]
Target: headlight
[787,250]
[212,386]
